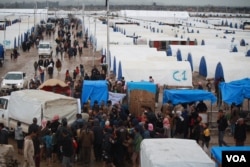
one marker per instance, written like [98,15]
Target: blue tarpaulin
[187,96]
[235,91]
[147,86]
[94,90]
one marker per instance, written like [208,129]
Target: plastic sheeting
[174,153]
[147,86]
[24,105]
[187,96]
[94,90]
[235,91]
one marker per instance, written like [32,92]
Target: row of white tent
[140,62]
[207,60]
[212,60]
[15,33]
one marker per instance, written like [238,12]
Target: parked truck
[24,105]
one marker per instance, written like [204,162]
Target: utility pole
[4,40]
[35,10]
[107,51]
[83,22]
[94,44]
[28,25]
[19,39]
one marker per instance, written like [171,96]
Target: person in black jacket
[222,125]
[67,148]
[35,128]
[98,137]
[4,134]
[240,132]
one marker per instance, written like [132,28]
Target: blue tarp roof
[147,86]
[235,91]
[94,90]
[187,96]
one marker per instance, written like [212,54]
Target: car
[14,80]
[50,26]
[66,21]
[45,49]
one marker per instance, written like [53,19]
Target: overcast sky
[229,3]
[170,2]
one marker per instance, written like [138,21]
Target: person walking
[29,150]
[67,148]
[4,134]
[34,128]
[50,70]
[136,147]
[222,125]
[205,136]
[47,139]
[240,132]
[98,137]
[58,65]
[19,137]
[41,72]
[86,140]
[35,67]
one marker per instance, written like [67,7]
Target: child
[48,144]
[206,135]
[166,126]
[19,137]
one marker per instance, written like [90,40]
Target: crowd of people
[111,131]
[114,134]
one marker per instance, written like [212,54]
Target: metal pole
[89,36]
[94,42]
[19,40]
[4,39]
[35,14]
[107,52]
[83,28]
[28,25]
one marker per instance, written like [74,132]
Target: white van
[24,105]
[45,49]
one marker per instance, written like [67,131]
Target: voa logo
[236,158]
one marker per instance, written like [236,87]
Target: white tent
[173,153]
[154,14]
[28,18]
[171,73]
[232,58]
[233,70]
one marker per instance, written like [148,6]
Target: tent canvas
[176,153]
[235,91]
[187,96]
[171,73]
[94,90]
[147,86]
